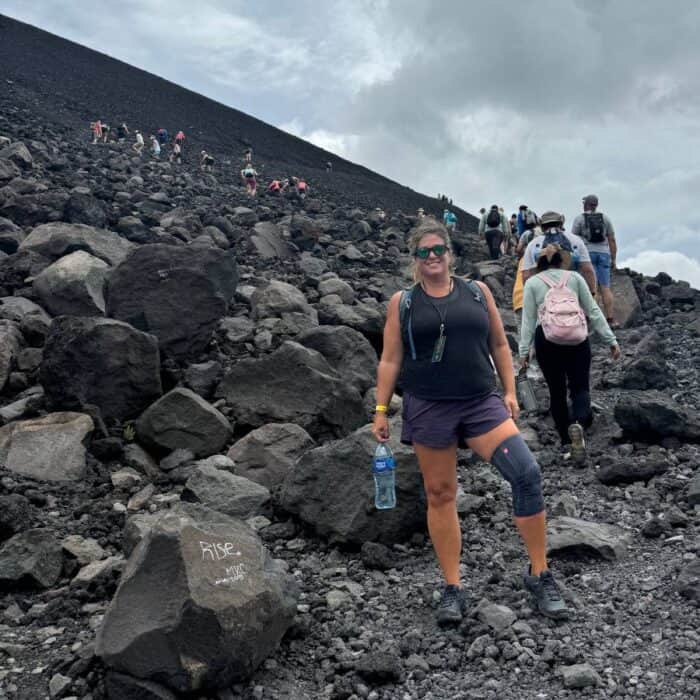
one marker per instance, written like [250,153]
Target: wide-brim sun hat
[551,217]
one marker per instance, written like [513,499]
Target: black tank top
[465,371]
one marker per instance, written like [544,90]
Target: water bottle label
[382,465]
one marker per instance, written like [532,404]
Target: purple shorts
[439,424]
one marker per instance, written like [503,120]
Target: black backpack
[493,219]
[594,227]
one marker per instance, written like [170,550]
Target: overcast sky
[537,102]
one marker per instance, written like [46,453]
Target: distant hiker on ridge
[96,128]
[275,187]
[180,138]
[494,227]
[176,153]
[139,144]
[249,176]
[450,220]
[248,156]
[122,131]
[206,162]
[155,146]
[302,188]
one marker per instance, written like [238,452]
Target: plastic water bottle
[384,469]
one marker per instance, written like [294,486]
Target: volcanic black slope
[74,85]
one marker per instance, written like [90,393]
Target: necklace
[439,347]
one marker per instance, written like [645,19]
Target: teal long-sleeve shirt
[533,297]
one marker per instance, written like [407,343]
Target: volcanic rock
[50,448]
[292,385]
[119,366]
[31,558]
[182,419]
[54,240]
[199,606]
[268,241]
[627,308]
[266,455]
[331,489]
[565,534]
[10,346]
[73,285]
[177,293]
[651,414]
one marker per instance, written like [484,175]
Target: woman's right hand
[615,351]
[380,427]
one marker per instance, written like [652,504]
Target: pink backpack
[561,317]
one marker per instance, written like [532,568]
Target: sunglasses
[437,250]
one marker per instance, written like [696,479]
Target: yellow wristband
[380,408]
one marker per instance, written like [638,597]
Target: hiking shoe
[578,444]
[452,606]
[546,592]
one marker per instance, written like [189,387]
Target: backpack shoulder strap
[564,279]
[478,294]
[549,281]
[405,319]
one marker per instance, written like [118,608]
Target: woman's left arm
[500,352]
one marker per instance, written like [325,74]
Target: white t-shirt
[579,254]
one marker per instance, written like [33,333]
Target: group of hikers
[293,185]
[444,336]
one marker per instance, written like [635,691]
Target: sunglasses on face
[437,250]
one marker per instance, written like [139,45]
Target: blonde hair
[426,227]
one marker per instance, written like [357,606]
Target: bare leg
[439,469]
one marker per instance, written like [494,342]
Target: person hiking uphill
[556,303]
[138,144]
[494,227]
[450,220]
[249,175]
[552,226]
[206,162]
[597,230]
[442,345]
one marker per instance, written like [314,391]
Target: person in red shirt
[302,188]
[274,187]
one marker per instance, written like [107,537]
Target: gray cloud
[538,102]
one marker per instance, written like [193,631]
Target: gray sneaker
[578,444]
[452,606]
[546,592]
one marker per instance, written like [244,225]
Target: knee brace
[519,468]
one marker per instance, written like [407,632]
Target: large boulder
[268,242]
[648,368]
[225,492]
[278,298]
[292,385]
[178,293]
[347,351]
[573,534]
[83,208]
[54,240]
[331,488]
[30,559]
[73,285]
[653,415]
[199,606]
[628,308]
[266,455]
[688,582]
[183,420]
[50,448]
[17,153]
[119,366]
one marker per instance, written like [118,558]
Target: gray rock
[18,154]
[85,550]
[83,208]
[565,533]
[119,366]
[99,572]
[294,384]
[379,667]
[178,294]
[54,240]
[497,617]
[59,684]
[651,414]
[266,455]
[579,676]
[182,419]
[334,285]
[268,242]
[629,470]
[331,489]
[18,308]
[347,351]
[221,582]
[628,308]
[277,298]
[31,558]
[203,377]
[694,490]
[225,492]
[73,285]
[51,448]
[16,515]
